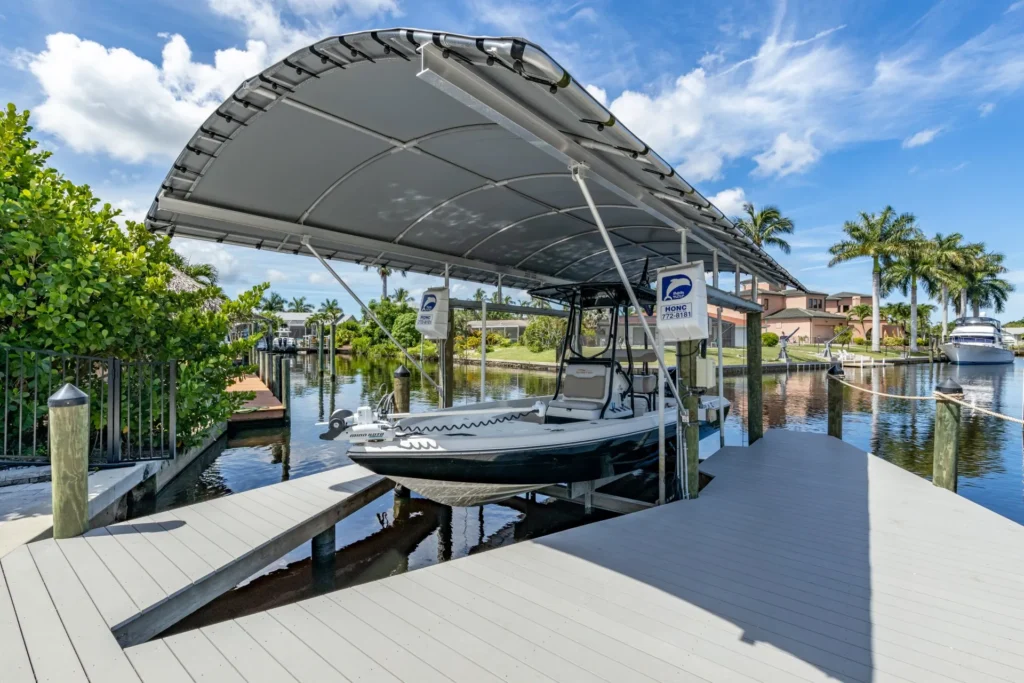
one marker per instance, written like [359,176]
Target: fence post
[835,401]
[69,460]
[947,435]
[114,410]
[172,406]
[401,385]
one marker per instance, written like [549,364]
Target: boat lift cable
[366,309]
[578,171]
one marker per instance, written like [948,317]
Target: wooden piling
[286,385]
[320,349]
[323,553]
[332,350]
[755,407]
[448,375]
[947,435]
[69,461]
[686,366]
[401,388]
[835,402]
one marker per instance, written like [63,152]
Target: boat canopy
[964,322]
[439,153]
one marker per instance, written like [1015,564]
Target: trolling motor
[361,427]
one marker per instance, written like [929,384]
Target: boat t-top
[600,421]
[478,159]
[977,341]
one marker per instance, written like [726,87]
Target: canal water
[383,539]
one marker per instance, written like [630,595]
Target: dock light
[837,370]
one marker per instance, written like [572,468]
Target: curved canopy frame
[424,151]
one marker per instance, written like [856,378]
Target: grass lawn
[732,356]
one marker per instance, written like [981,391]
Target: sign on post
[432,318]
[682,303]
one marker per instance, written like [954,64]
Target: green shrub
[404,329]
[859,341]
[543,332]
[361,345]
[769,339]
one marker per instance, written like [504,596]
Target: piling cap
[402,371]
[948,386]
[68,395]
[836,370]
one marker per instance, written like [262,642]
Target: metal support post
[721,356]
[371,314]
[483,350]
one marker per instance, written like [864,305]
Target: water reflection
[903,431]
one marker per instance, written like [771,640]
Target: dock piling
[686,366]
[332,348]
[401,388]
[286,384]
[755,407]
[835,402]
[69,460]
[323,550]
[947,435]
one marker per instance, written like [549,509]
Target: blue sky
[823,109]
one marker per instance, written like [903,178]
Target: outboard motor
[337,424]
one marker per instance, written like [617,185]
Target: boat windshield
[593,334]
[972,339]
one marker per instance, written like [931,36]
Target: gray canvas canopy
[419,150]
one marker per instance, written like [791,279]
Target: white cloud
[1015,6]
[316,278]
[100,99]
[130,211]
[599,94]
[921,138]
[198,251]
[786,156]
[730,201]
[986,108]
[710,59]
[275,276]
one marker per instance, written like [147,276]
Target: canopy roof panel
[420,150]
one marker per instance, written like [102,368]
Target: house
[511,329]
[808,326]
[844,301]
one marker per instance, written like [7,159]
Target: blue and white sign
[682,303]
[432,318]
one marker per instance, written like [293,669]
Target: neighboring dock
[262,407]
[804,559]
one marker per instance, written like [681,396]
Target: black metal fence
[132,405]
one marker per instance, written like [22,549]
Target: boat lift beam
[366,309]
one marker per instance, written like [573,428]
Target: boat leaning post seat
[587,392]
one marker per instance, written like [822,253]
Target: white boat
[977,341]
[601,421]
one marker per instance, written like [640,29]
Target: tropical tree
[272,302]
[764,227]
[479,294]
[384,272]
[331,308]
[948,260]
[860,313]
[881,237]
[981,285]
[298,305]
[402,296]
[203,273]
[916,264]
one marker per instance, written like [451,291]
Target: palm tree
[299,305]
[763,228]
[479,294]
[860,312]
[949,258]
[402,296]
[880,237]
[981,284]
[331,308]
[384,273]
[273,302]
[916,265]
[203,273]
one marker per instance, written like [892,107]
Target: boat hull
[977,354]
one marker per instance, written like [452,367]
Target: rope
[467,425]
[939,397]
[984,410]
[881,393]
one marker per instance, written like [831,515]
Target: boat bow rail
[427,151]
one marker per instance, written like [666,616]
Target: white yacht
[977,341]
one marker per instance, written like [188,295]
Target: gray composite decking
[804,560]
[68,606]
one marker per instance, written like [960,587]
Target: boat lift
[447,155]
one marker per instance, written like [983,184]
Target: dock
[804,559]
[262,407]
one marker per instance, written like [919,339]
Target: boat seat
[639,355]
[584,392]
[645,384]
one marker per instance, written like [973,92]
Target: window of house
[764,302]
